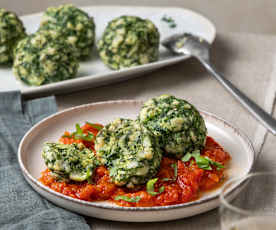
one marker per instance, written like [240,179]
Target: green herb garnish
[174,166]
[95,126]
[89,174]
[150,187]
[169,20]
[128,199]
[161,189]
[202,162]
[80,135]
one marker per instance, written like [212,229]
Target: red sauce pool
[188,185]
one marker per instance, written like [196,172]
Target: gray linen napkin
[20,206]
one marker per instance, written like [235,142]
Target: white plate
[93,72]
[51,128]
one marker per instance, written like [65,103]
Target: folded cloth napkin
[20,206]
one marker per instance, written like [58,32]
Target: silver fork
[199,48]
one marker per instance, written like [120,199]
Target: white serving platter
[93,72]
[51,128]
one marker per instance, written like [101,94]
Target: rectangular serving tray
[93,72]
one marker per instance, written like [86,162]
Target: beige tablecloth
[255,16]
[247,60]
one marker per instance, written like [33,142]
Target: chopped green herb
[202,162]
[89,175]
[128,199]
[95,126]
[78,128]
[86,137]
[161,189]
[174,166]
[217,164]
[80,135]
[169,20]
[150,187]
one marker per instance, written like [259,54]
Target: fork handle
[258,113]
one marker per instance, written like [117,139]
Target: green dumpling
[76,26]
[69,162]
[176,123]
[129,41]
[43,58]
[11,31]
[130,152]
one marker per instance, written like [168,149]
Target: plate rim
[35,181]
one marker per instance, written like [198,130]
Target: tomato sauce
[186,186]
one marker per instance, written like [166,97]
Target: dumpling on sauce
[176,123]
[69,162]
[130,152]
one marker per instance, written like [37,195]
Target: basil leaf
[88,137]
[174,166]
[79,135]
[150,187]
[202,162]
[161,189]
[128,199]
[95,126]
[216,164]
[187,157]
[78,129]
[205,167]
[89,174]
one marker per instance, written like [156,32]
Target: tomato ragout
[185,183]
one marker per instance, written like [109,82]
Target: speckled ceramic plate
[93,72]
[51,128]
